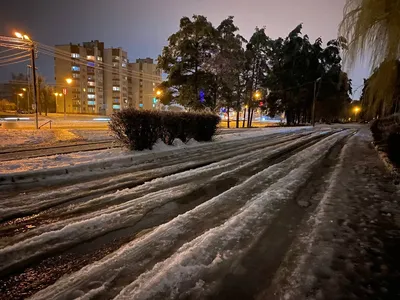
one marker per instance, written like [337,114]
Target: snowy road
[213,222]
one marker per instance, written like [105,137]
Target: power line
[15,62]
[99,65]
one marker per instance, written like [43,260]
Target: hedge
[386,133]
[140,129]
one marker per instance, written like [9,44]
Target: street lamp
[20,95]
[257,95]
[356,111]
[26,38]
[69,81]
[314,101]
[57,94]
[159,93]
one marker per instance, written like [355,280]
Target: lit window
[75,55]
[154,105]
[91,96]
[116,88]
[91,64]
[91,83]
[75,68]
[90,90]
[99,58]
[115,64]
[154,84]
[154,100]
[116,57]
[116,106]
[141,105]
[90,57]
[115,100]
[124,65]
[91,103]
[75,75]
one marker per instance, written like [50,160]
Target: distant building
[144,78]
[86,92]
[116,80]
[103,80]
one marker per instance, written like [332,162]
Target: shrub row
[140,129]
[386,133]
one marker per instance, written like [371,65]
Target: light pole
[356,111]
[20,95]
[57,94]
[314,101]
[69,81]
[158,96]
[35,93]
[257,96]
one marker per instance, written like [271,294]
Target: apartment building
[143,80]
[116,80]
[85,94]
[103,80]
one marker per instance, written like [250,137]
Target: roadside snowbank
[92,159]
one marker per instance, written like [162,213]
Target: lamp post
[57,94]
[314,101]
[356,111]
[26,38]
[257,96]
[20,95]
[68,81]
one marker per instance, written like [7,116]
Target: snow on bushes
[386,133]
[140,129]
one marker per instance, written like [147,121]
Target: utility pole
[314,101]
[29,87]
[35,89]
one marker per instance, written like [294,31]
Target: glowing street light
[19,35]
[159,93]
[21,95]
[24,89]
[68,80]
[22,36]
[356,111]
[257,95]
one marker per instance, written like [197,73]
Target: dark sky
[142,26]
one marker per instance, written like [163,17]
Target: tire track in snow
[59,235]
[138,174]
[125,264]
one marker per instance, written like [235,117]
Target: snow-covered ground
[248,216]
[92,158]
[14,137]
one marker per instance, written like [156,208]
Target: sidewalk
[350,247]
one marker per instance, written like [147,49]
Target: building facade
[85,94]
[103,80]
[144,79]
[116,80]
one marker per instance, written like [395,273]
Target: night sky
[142,27]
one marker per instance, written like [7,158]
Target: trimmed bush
[140,129]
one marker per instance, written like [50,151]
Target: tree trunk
[229,120]
[251,116]
[237,118]
[244,117]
